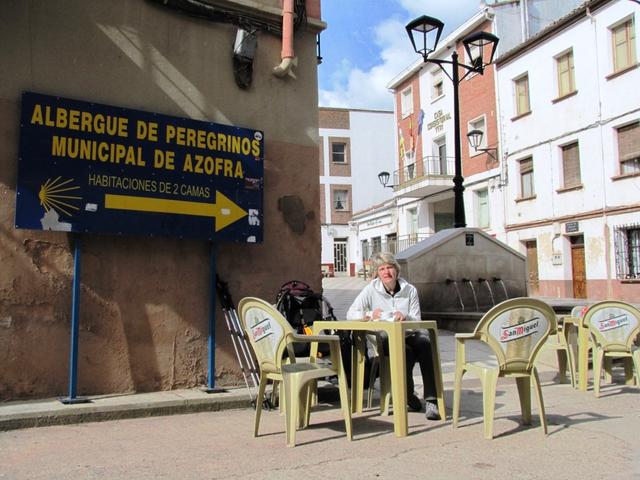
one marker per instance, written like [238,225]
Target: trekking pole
[243,354]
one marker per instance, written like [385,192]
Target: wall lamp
[475,140]
[384,179]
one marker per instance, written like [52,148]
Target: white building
[569,112]
[354,146]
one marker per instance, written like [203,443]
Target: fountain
[451,271]
[455,285]
[473,292]
[486,282]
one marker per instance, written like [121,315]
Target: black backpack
[301,306]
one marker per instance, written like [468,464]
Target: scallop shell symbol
[57,194]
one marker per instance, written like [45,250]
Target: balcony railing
[391,245]
[427,167]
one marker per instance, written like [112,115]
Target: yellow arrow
[224,210]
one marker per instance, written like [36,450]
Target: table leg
[437,372]
[354,374]
[583,358]
[397,360]
[357,384]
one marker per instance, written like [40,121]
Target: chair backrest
[515,330]
[613,324]
[266,330]
[579,310]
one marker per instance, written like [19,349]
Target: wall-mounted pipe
[288,59]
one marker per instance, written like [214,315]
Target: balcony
[392,245]
[428,176]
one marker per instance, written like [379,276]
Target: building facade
[425,134]
[354,146]
[571,136]
[144,303]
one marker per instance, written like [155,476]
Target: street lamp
[383,177]
[475,140]
[424,33]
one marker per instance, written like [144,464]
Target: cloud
[357,88]
[353,87]
[452,13]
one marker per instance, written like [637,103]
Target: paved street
[588,438]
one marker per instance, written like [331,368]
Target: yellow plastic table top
[397,360]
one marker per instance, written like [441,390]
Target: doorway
[340,256]
[532,264]
[578,270]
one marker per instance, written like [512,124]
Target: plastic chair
[582,346]
[613,326]
[515,331]
[269,334]
[566,359]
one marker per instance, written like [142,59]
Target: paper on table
[386,316]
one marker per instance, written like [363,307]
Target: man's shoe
[431,411]
[414,403]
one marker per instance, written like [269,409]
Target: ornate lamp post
[424,33]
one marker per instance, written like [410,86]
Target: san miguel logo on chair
[262,329]
[509,333]
[614,321]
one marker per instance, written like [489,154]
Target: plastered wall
[145,301]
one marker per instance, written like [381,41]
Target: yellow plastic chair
[613,326]
[566,359]
[269,334]
[515,331]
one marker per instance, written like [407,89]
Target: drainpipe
[288,60]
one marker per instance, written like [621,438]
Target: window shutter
[571,165]
[629,142]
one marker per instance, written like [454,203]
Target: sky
[365,45]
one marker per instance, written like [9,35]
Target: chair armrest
[429,324]
[466,336]
[297,338]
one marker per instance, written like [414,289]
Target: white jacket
[375,296]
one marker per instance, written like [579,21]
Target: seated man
[391,297]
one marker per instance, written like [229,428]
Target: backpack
[301,306]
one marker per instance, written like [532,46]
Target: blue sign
[86,167]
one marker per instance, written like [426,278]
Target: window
[522,95]
[376,245]
[526,178]
[438,163]
[412,220]
[366,251]
[629,148]
[339,152]
[437,85]
[627,245]
[623,40]
[406,99]
[482,202]
[566,77]
[478,124]
[571,165]
[341,200]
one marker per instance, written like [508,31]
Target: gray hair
[383,258]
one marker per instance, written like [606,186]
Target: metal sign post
[211,377]
[75,326]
